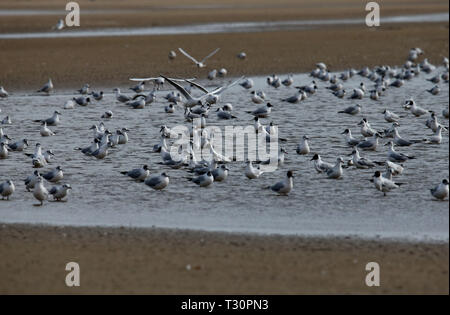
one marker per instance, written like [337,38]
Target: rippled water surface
[316,206]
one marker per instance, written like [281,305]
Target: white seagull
[384,184]
[158,182]
[284,187]
[440,191]
[40,192]
[45,131]
[59,192]
[320,165]
[200,64]
[262,112]
[3,92]
[352,110]
[349,139]
[7,189]
[336,171]
[252,172]
[204,180]
[157,81]
[414,108]
[138,174]
[47,88]
[303,146]
[394,156]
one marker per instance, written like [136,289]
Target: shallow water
[214,28]
[316,206]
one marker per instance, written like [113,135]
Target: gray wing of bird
[96,152]
[48,176]
[134,104]
[349,110]
[224,88]
[224,115]
[259,111]
[142,79]
[124,98]
[326,166]
[201,170]
[172,162]
[395,116]
[399,156]
[53,191]
[210,55]
[154,78]
[291,99]
[187,55]
[153,181]
[403,142]
[215,172]
[353,142]
[365,144]
[389,184]
[277,186]
[157,148]
[178,87]
[136,173]
[366,162]
[50,121]
[86,150]
[198,86]
[13,146]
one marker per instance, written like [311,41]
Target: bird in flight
[200,64]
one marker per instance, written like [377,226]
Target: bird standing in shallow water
[383,184]
[139,174]
[284,187]
[7,189]
[440,191]
[40,192]
[60,192]
[158,182]
[47,87]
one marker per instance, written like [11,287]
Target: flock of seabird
[205,173]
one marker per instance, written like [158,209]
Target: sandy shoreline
[163,261]
[26,64]
[130,17]
[169,261]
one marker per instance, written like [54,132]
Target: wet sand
[156,261]
[160,13]
[127,260]
[26,64]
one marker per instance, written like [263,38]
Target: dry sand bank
[122,260]
[108,62]
[210,4]
[145,14]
